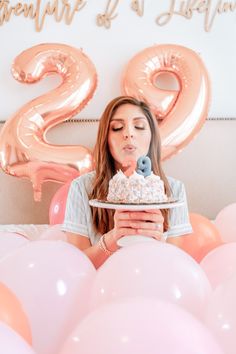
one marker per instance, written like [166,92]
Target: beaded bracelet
[103,246]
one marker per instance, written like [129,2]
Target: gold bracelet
[103,246]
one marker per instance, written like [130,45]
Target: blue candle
[144,166]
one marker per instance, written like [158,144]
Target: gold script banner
[208,8]
[66,9]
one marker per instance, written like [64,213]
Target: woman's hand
[147,223]
[120,229]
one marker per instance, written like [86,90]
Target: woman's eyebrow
[122,120]
[117,119]
[137,118]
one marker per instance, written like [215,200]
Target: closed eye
[114,129]
[140,128]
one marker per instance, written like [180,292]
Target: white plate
[134,239]
[166,205]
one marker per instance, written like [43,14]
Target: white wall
[111,49]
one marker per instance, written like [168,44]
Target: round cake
[136,188]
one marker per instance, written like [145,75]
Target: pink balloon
[24,149]
[226,223]
[58,205]
[10,241]
[221,314]
[182,112]
[54,233]
[140,326]
[220,263]
[12,342]
[152,269]
[52,280]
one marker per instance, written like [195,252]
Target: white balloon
[12,343]
[52,280]
[10,241]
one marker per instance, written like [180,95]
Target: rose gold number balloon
[24,150]
[181,113]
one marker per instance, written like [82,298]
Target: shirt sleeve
[75,214]
[179,223]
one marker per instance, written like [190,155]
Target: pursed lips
[129,148]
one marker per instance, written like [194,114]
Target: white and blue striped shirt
[78,216]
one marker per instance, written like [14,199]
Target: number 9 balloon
[24,150]
[182,112]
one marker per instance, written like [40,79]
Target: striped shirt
[78,216]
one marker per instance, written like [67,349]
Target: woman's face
[129,134]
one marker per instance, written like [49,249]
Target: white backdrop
[111,49]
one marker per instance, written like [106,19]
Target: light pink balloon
[220,263]
[12,343]
[221,315]
[54,233]
[10,241]
[226,223]
[152,269]
[52,281]
[58,205]
[140,326]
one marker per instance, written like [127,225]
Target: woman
[127,129]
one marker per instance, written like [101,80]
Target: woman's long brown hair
[105,167]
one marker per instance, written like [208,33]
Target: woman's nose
[128,133]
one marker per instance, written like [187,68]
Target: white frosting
[136,176]
[119,175]
[152,177]
[136,189]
